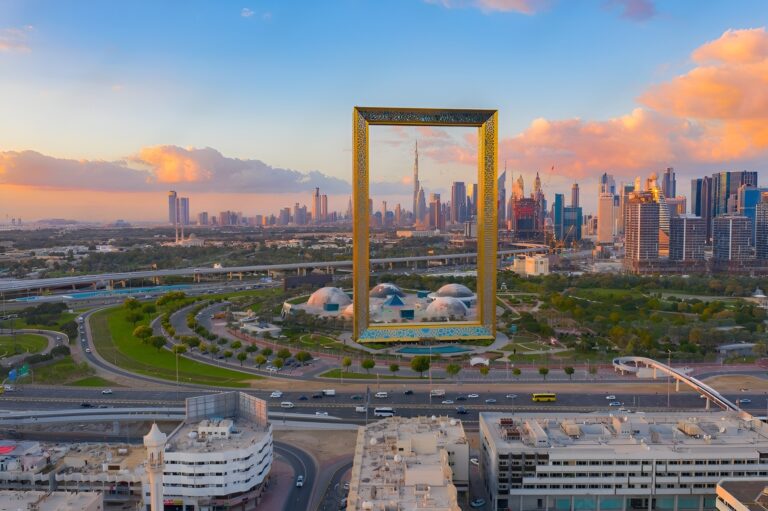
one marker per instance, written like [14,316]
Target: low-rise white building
[617,461]
[409,464]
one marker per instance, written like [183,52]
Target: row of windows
[605,486]
[657,462]
[545,475]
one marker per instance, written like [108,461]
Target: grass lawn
[338,373]
[603,294]
[64,317]
[61,371]
[21,343]
[113,338]
[93,381]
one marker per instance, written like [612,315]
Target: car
[86,405]
[474,461]
[408,392]
[490,401]
[461,410]
[302,398]
[276,394]
[447,402]
[744,389]
[611,397]
[9,388]
[461,398]
[87,350]
[299,481]
[346,485]
[745,401]
[321,414]
[473,396]
[103,406]
[615,403]
[356,397]
[106,391]
[317,395]
[477,503]
[511,396]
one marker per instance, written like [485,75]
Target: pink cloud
[518,6]
[14,40]
[636,10]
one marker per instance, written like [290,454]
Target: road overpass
[84,280]
[639,365]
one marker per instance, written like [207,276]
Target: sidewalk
[280,486]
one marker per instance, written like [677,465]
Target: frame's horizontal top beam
[424,116]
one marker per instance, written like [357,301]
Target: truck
[329,392]
[437,392]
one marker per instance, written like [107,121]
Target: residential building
[686,238]
[458,203]
[607,210]
[617,461]
[184,210]
[173,211]
[574,194]
[501,186]
[418,463]
[641,228]
[761,228]
[202,218]
[731,238]
[668,183]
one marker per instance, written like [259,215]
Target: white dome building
[384,290]
[454,291]
[328,295]
[446,307]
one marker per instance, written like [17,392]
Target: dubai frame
[484,325]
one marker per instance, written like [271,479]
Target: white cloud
[246,12]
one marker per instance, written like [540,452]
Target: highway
[80,280]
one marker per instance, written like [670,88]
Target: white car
[473,396]
[106,391]
[615,403]
[321,414]
[299,481]
[474,461]
[447,402]
[276,394]
[511,396]
[611,397]
[87,350]
[745,401]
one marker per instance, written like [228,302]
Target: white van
[329,392]
[381,395]
[361,409]
[437,392]
[286,404]
[383,412]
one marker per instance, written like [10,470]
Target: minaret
[154,441]
[416,185]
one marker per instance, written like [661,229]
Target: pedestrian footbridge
[649,368]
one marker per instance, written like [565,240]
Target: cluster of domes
[446,307]
[384,290]
[454,291]
[328,295]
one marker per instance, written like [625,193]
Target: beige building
[409,464]
[742,495]
[50,501]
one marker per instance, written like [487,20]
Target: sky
[105,106]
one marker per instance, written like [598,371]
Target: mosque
[390,304]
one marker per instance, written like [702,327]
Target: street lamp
[669,375]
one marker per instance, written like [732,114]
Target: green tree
[345,363]
[213,349]
[420,364]
[484,370]
[452,370]
[134,317]
[236,345]
[517,372]
[266,352]
[142,332]
[284,353]
[157,341]
[394,368]
[179,349]
[242,357]
[569,371]
[303,356]
[251,348]
[368,364]
[203,347]
[227,354]
[131,304]
[260,360]
[278,363]
[149,308]
[544,371]
[593,371]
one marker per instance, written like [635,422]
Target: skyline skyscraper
[641,228]
[686,238]
[416,184]
[731,236]
[574,193]
[184,210]
[669,183]
[173,208]
[458,202]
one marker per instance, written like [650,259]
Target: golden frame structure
[486,122]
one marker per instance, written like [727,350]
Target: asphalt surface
[303,464]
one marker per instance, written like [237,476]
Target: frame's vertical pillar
[360,223]
[487,223]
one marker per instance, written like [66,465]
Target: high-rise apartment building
[669,183]
[761,228]
[184,210]
[458,202]
[285,216]
[725,187]
[669,461]
[686,238]
[607,209]
[436,216]
[323,208]
[606,184]
[641,228]
[173,208]
[501,186]
[202,218]
[316,207]
[574,194]
[557,215]
[731,237]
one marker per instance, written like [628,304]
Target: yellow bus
[543,396]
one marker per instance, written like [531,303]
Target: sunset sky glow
[247,105]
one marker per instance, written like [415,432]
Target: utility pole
[669,376]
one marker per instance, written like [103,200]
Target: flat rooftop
[403,462]
[215,435]
[49,501]
[673,435]
[752,494]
